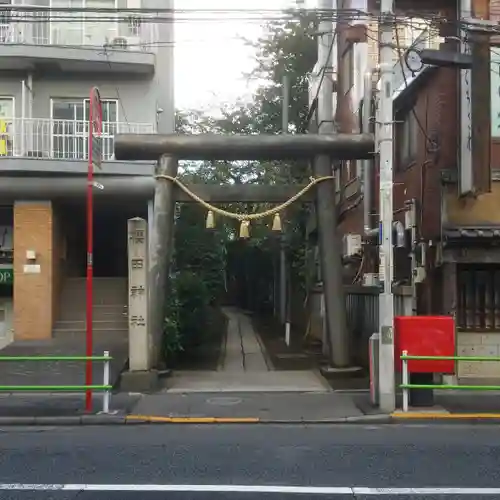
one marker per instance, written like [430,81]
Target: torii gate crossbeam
[243,147]
[323,149]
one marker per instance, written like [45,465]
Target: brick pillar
[33,286]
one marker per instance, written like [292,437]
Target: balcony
[77,42]
[41,145]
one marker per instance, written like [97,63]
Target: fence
[362,314]
[134,33]
[406,386]
[59,139]
[362,308]
[105,387]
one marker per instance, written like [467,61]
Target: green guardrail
[105,387]
[406,386]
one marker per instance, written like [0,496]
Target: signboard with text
[6,276]
[495,91]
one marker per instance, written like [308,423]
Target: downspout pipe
[367,164]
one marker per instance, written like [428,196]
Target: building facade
[51,55]
[446,209]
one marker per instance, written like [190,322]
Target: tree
[286,47]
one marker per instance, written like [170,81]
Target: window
[478,297]
[406,138]
[70,128]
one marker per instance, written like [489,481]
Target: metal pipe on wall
[367,163]
[23,114]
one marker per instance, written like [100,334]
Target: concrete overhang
[63,58]
[42,166]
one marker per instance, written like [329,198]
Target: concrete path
[244,367]
[243,350]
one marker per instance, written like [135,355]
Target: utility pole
[385,119]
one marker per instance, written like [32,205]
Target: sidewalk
[269,407]
[36,373]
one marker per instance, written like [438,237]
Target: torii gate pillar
[161,250]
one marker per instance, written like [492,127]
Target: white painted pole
[385,148]
[106,378]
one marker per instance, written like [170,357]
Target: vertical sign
[139,343]
[466,181]
[94,158]
[495,91]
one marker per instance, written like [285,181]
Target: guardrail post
[106,395]
[405,380]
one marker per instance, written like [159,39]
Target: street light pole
[385,149]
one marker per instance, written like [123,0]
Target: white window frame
[83,100]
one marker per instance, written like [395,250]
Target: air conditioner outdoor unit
[126,42]
[120,42]
[370,279]
[351,245]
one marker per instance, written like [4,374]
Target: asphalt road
[278,462]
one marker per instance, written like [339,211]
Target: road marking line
[218,488]
[234,488]
[425,491]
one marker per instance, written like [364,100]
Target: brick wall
[33,292]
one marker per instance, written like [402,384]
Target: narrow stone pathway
[244,367]
[243,350]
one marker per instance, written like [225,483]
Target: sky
[211,57]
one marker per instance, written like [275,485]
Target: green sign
[6,276]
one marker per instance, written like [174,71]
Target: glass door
[68,129]
[97,32]
[70,29]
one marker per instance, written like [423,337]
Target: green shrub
[187,309]
[194,300]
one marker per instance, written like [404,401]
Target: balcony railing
[80,29]
[59,139]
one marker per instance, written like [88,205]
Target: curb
[77,420]
[394,418]
[446,418]
[152,419]
[72,420]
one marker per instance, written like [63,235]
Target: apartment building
[446,176]
[52,52]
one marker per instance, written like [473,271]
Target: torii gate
[168,149]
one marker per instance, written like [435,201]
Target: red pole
[90,273]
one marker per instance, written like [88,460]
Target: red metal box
[425,336]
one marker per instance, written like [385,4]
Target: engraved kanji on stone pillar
[139,342]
